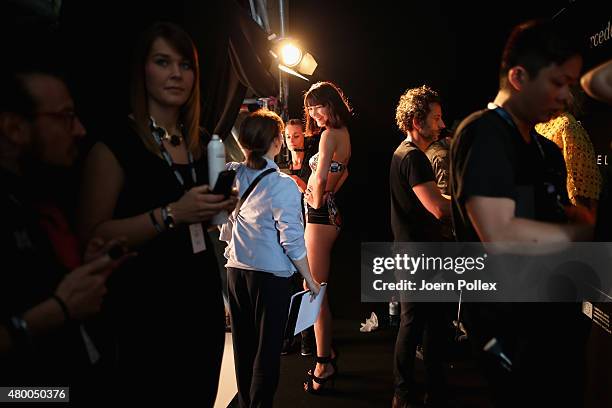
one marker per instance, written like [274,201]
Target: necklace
[174,140]
[159,134]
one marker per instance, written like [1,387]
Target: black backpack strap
[251,187]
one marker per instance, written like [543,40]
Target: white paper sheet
[309,310]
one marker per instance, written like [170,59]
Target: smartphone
[225,182]
[116,252]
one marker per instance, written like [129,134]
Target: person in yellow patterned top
[583,176]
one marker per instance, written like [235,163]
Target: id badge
[197,238]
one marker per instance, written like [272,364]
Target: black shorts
[327,214]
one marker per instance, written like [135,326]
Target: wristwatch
[19,333]
[168,217]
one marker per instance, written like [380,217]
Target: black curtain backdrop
[234,58]
[92,44]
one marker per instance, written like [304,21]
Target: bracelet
[158,227]
[63,307]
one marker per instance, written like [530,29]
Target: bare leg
[319,242]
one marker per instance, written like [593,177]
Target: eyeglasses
[68,117]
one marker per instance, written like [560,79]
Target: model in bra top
[327,112]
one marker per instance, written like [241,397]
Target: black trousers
[426,322]
[546,344]
[159,353]
[259,305]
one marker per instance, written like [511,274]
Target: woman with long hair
[146,183]
[327,112]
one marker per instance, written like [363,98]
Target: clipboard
[303,312]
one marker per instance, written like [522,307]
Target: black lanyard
[158,133]
[506,116]
[551,175]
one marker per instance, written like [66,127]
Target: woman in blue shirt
[265,246]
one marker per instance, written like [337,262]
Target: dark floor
[365,373]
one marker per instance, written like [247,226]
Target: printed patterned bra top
[334,166]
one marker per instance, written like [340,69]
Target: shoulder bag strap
[250,189]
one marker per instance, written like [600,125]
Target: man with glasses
[56,126]
[46,291]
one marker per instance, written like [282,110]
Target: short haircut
[537,44]
[414,104]
[15,97]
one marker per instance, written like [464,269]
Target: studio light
[291,55]
[291,58]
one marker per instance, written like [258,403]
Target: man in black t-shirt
[416,202]
[416,209]
[508,189]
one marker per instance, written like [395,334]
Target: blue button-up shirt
[269,228]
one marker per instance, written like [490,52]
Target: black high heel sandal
[311,378]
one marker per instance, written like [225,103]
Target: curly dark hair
[414,103]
